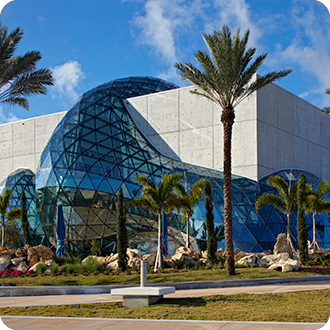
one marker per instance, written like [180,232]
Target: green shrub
[161,270]
[107,271]
[41,268]
[128,272]
[54,270]
[174,270]
[184,270]
[66,260]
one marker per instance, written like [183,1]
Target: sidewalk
[41,323]
[35,323]
[27,301]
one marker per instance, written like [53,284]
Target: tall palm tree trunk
[188,239]
[314,244]
[227,119]
[159,256]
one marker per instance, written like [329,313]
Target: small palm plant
[316,203]
[6,214]
[160,199]
[285,201]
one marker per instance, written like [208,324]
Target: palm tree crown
[18,75]
[316,203]
[286,201]
[227,79]
[160,199]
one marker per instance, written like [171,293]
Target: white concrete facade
[22,142]
[273,129]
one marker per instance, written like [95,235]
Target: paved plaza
[36,323]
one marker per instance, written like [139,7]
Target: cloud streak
[67,77]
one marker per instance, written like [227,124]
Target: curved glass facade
[19,180]
[97,147]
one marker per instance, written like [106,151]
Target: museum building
[144,125]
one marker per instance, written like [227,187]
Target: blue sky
[90,42]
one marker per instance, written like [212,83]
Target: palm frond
[271,199]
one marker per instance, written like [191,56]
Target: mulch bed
[322,270]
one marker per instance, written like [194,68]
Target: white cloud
[158,29]
[308,49]
[67,77]
[165,24]
[235,13]
[7,118]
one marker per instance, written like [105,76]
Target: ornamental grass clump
[41,268]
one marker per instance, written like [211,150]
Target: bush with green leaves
[54,270]
[41,268]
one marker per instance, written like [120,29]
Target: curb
[19,291]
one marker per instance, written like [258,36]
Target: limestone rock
[100,260]
[112,258]
[48,262]
[204,254]
[36,253]
[4,262]
[133,253]
[236,251]
[150,258]
[34,267]
[8,253]
[239,256]
[17,261]
[23,267]
[113,265]
[248,261]
[286,266]
[134,262]
[220,253]
[168,263]
[271,259]
[282,245]
[182,258]
[184,250]
[23,251]
[2,248]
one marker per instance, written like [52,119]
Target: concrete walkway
[66,323]
[28,301]
[35,323]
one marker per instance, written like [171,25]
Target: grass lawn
[309,306]
[181,276]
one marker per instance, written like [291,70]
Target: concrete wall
[187,127]
[273,129]
[291,133]
[22,142]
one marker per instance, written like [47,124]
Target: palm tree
[160,199]
[227,79]
[316,203]
[18,75]
[326,109]
[189,201]
[286,201]
[6,214]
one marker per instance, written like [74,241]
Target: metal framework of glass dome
[97,147]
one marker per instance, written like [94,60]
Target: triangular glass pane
[96,179]
[245,236]
[105,187]
[268,236]
[86,183]
[115,184]
[77,176]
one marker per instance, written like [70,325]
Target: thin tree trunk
[188,240]
[227,119]
[159,256]
[288,235]
[3,232]
[314,244]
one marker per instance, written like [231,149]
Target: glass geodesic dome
[20,180]
[97,147]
